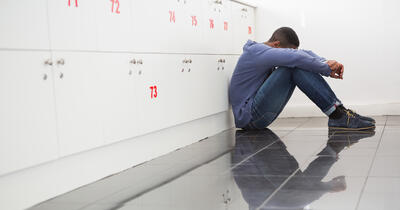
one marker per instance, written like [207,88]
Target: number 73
[153,91]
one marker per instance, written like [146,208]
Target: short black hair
[286,36]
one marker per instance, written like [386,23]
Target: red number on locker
[225,26]
[194,21]
[115,3]
[250,30]
[76,3]
[153,93]
[211,24]
[172,18]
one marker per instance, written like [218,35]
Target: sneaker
[361,117]
[350,122]
[338,140]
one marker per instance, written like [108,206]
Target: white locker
[218,33]
[168,26]
[208,85]
[156,25]
[79,86]
[114,25]
[157,90]
[193,83]
[192,27]
[73,24]
[120,102]
[243,28]
[23,24]
[28,122]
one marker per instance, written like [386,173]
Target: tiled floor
[297,164]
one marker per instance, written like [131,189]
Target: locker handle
[61,62]
[244,9]
[48,62]
[218,1]
[133,61]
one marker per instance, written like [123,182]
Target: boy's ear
[276,44]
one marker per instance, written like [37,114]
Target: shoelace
[349,115]
[352,112]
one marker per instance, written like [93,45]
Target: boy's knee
[283,71]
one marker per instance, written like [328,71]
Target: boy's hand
[337,69]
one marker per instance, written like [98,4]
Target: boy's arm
[311,53]
[294,58]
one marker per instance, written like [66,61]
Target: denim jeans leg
[316,89]
[272,97]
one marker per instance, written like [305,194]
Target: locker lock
[140,61]
[133,61]
[244,9]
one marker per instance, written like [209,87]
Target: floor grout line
[372,164]
[277,190]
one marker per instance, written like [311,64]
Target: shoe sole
[351,129]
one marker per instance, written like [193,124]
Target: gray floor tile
[386,167]
[379,201]
[393,120]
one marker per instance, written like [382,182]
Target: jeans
[277,89]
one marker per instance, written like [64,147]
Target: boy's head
[284,37]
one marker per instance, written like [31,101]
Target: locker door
[204,87]
[193,88]
[157,91]
[73,24]
[24,24]
[218,30]
[243,17]
[225,26]
[114,25]
[191,27]
[120,103]
[214,90]
[27,123]
[211,25]
[158,22]
[79,85]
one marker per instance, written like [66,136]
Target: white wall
[363,35]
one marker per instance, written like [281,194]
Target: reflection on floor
[296,164]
